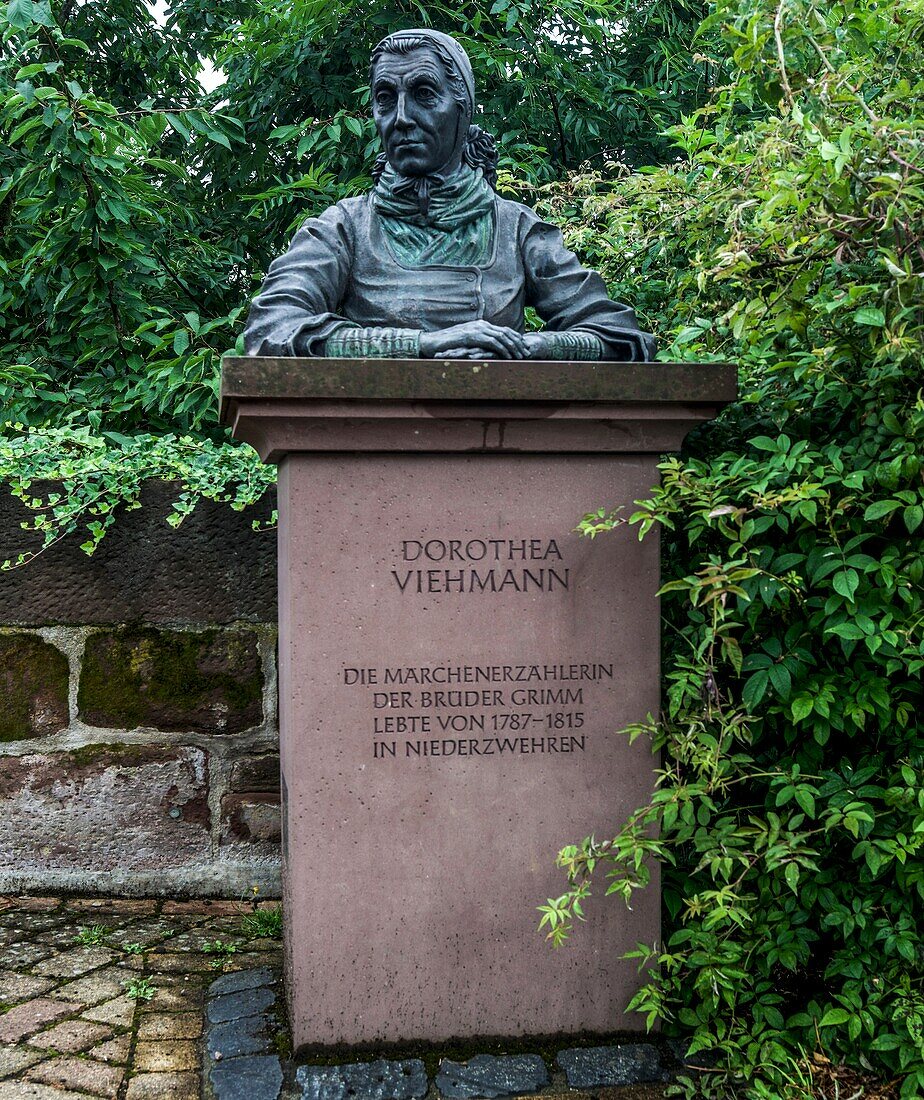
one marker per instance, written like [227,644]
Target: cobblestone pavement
[123,999]
[106,998]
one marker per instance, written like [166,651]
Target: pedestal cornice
[283,406]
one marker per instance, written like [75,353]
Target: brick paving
[118,999]
[70,1027]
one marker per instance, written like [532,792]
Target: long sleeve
[297,307]
[572,299]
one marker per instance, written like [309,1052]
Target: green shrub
[789,815]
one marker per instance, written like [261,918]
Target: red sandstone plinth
[455,667]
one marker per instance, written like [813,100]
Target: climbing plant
[789,811]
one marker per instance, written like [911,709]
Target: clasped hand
[479,340]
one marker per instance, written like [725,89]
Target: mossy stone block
[33,687]
[209,681]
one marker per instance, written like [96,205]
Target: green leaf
[781,680]
[845,583]
[871,316]
[835,1016]
[881,508]
[801,707]
[754,689]
[19,13]
[806,801]
[850,631]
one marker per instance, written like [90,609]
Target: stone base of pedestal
[456,665]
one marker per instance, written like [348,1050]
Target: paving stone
[71,1036]
[379,1080]
[235,1038]
[14,1060]
[119,906]
[31,1090]
[630,1092]
[242,979]
[180,964]
[199,939]
[71,964]
[32,922]
[247,1002]
[201,907]
[26,1019]
[147,932]
[133,906]
[115,1050]
[118,1011]
[78,1073]
[628,1064]
[174,998]
[36,905]
[94,988]
[257,1078]
[253,960]
[173,1056]
[488,1076]
[571,1094]
[173,1025]
[263,945]
[23,955]
[57,939]
[18,987]
[82,905]
[161,1086]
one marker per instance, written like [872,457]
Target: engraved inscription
[429,566]
[416,720]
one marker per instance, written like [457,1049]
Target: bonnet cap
[449,47]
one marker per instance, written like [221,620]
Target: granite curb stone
[488,1076]
[378,1080]
[256,1078]
[239,980]
[232,1006]
[626,1064]
[238,1036]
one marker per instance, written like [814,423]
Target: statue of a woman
[432,262]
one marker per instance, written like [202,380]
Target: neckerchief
[437,220]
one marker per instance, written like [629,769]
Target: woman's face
[418,120]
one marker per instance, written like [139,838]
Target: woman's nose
[401,116]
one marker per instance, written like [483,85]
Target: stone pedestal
[455,667]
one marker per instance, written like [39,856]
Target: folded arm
[582,321]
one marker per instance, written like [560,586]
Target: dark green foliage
[138,212]
[791,807]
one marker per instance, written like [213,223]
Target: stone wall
[138,729]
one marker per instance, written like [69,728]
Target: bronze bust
[433,263]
